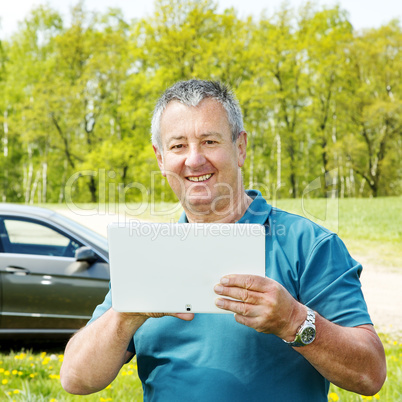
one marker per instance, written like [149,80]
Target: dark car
[53,272]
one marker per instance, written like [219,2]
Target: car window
[27,237]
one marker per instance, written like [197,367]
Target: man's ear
[159,158]
[241,144]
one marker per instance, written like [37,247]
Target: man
[303,325]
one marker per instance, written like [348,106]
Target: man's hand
[350,357]
[262,304]
[182,316]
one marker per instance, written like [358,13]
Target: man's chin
[198,204]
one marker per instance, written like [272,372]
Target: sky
[362,13]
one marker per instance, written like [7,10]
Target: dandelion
[6,372]
[4,382]
[16,391]
[1,370]
[14,372]
[54,376]
[53,400]
[333,397]
[109,386]
[377,396]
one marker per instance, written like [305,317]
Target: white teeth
[200,178]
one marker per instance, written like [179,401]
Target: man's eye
[210,142]
[178,146]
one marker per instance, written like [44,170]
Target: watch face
[308,335]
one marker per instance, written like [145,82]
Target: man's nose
[195,158]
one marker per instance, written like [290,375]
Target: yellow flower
[54,376]
[1,370]
[6,372]
[53,400]
[333,397]
[14,372]
[4,382]
[377,396]
[109,386]
[16,391]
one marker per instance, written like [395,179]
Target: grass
[34,377]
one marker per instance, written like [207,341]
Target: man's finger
[244,295]
[183,316]
[237,307]
[252,282]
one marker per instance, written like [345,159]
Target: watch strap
[309,324]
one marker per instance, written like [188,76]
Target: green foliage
[316,96]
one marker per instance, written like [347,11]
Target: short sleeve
[330,284]
[102,308]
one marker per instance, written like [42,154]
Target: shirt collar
[257,212]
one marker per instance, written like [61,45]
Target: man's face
[199,158]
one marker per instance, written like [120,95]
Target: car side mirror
[85,254]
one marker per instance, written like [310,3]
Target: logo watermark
[114,198]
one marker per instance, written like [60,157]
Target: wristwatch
[306,333]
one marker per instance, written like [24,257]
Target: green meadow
[34,377]
[369,227]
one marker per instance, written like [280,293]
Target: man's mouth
[199,178]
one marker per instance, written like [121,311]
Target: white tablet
[173,267]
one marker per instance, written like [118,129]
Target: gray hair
[191,93]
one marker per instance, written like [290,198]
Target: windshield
[86,233]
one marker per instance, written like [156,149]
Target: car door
[42,287]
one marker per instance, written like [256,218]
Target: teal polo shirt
[213,358]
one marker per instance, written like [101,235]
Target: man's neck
[229,214]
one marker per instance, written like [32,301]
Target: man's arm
[94,356]
[352,358]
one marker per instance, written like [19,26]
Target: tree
[376,106]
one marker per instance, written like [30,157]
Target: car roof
[9,208]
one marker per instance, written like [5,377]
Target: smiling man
[200,156]
[303,325]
